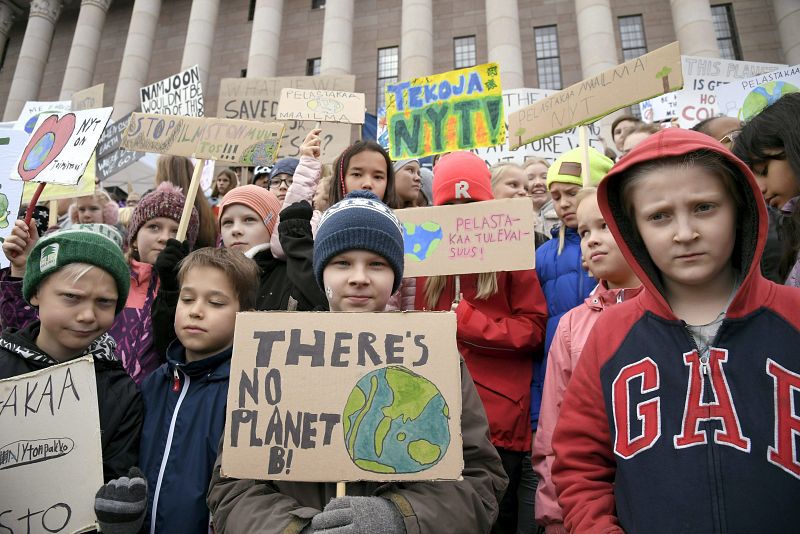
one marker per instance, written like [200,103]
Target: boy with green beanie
[79,280]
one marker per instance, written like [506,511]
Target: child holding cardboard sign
[185,398]
[78,280]
[358,258]
[501,318]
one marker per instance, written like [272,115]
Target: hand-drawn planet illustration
[4,212]
[325,105]
[39,152]
[763,96]
[421,240]
[261,153]
[45,144]
[396,421]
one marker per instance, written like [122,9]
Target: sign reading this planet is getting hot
[61,146]
[334,402]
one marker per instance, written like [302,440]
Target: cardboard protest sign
[30,113]
[12,143]
[746,98]
[179,94]
[258,99]
[314,398]
[112,158]
[50,453]
[548,148]
[321,105]
[701,77]
[228,140]
[60,148]
[652,74]
[478,237]
[90,98]
[456,110]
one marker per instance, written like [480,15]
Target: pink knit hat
[166,201]
[258,199]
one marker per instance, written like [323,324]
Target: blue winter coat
[565,285]
[184,418]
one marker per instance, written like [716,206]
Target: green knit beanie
[567,168]
[82,245]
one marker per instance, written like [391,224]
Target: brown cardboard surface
[478,237]
[645,77]
[228,140]
[321,105]
[88,98]
[258,98]
[297,410]
[50,454]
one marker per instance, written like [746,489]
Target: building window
[725,30]
[388,66]
[243,73]
[464,52]
[548,63]
[251,13]
[631,35]
[317,4]
[312,66]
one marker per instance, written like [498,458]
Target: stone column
[85,45]
[136,57]
[787,15]
[337,38]
[265,39]
[200,37]
[6,19]
[32,56]
[596,41]
[416,39]
[503,41]
[694,27]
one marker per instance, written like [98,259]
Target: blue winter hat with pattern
[360,221]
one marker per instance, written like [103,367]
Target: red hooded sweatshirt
[651,438]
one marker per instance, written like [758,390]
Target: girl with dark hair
[770,145]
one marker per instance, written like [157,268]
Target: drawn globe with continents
[396,421]
[763,96]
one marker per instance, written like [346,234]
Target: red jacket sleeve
[521,327]
[584,467]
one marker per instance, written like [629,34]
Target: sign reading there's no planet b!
[479,237]
[314,398]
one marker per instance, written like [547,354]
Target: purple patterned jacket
[132,328]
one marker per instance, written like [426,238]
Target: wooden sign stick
[583,135]
[53,214]
[190,196]
[341,489]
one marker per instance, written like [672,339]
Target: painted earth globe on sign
[763,96]
[396,421]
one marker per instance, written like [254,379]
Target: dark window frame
[544,58]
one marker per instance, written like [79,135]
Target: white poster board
[746,98]
[12,143]
[30,113]
[50,452]
[179,94]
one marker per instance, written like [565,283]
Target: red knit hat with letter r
[461,175]
[258,199]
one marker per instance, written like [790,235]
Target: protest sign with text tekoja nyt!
[457,110]
[258,99]
[477,237]
[336,402]
[50,452]
[645,77]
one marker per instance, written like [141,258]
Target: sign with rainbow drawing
[456,110]
[61,146]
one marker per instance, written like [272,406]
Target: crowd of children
[641,378]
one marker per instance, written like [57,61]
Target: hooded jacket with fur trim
[653,439]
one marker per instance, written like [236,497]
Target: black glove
[167,263]
[120,505]
[299,210]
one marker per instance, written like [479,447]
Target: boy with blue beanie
[79,281]
[358,261]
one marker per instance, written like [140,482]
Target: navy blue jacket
[565,285]
[184,417]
